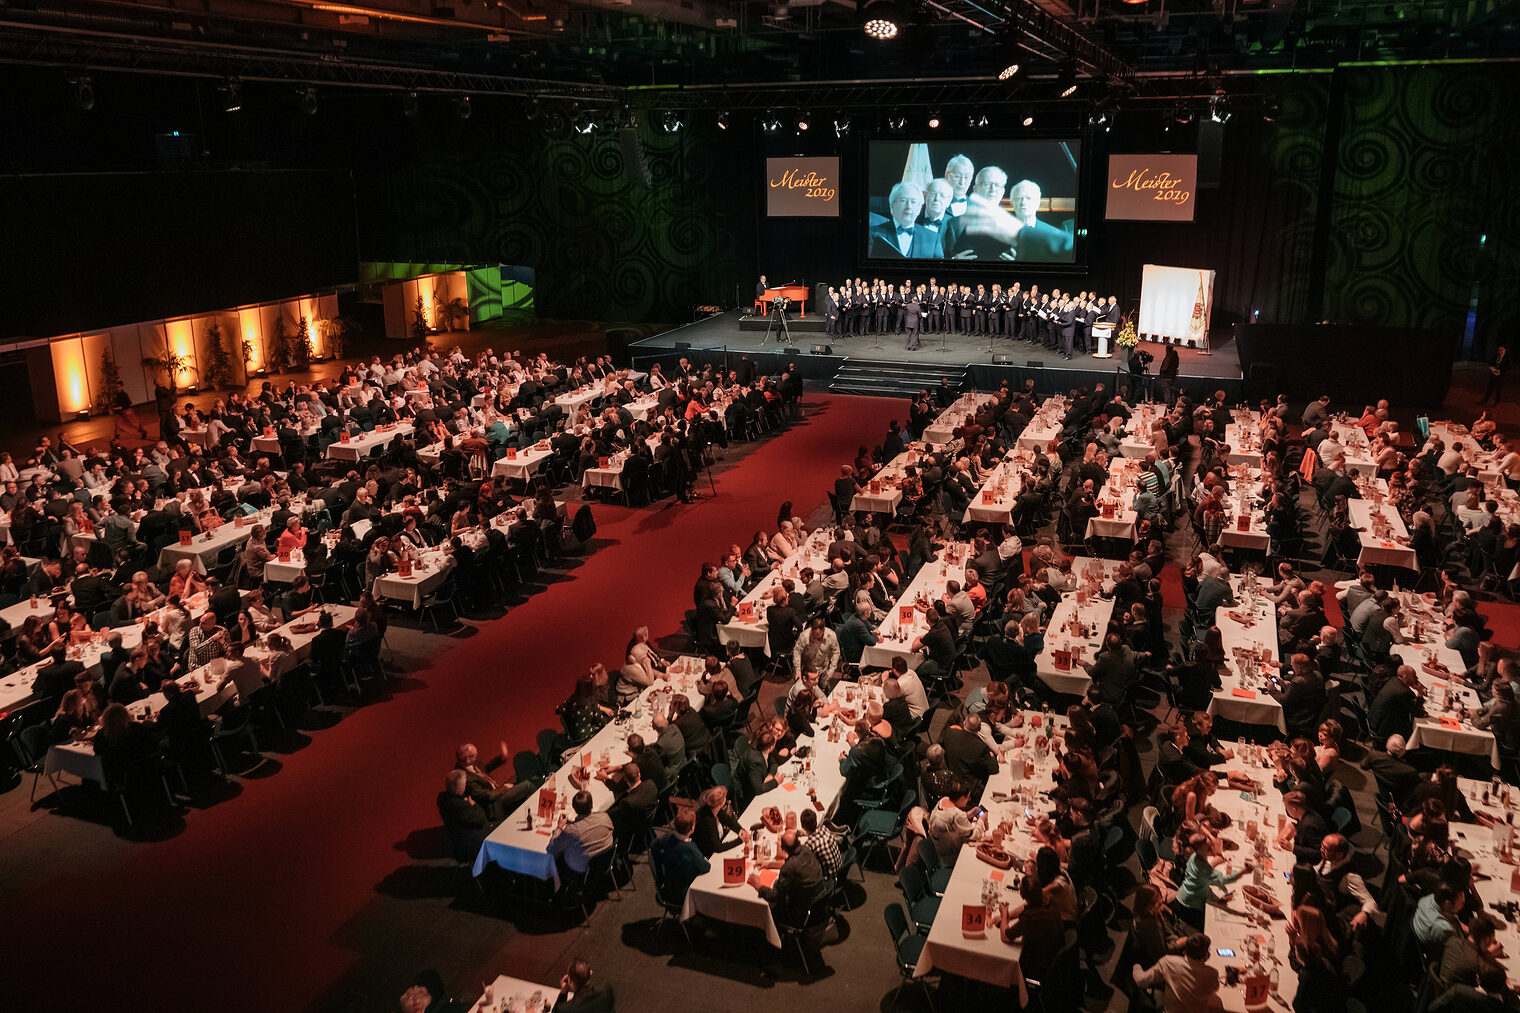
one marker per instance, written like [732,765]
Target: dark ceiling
[670,53]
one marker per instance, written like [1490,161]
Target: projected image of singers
[902,236]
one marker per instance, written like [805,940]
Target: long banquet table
[906,620]
[811,781]
[1248,633]
[749,626]
[942,429]
[520,843]
[1090,607]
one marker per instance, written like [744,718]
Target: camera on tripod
[1145,358]
[779,304]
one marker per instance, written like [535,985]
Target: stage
[879,364]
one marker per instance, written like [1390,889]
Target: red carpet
[248,903]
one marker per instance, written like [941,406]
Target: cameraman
[1139,372]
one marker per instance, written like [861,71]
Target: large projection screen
[984,200]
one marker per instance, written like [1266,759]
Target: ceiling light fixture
[308,97]
[882,19]
[934,120]
[897,121]
[1028,121]
[1011,69]
[409,105]
[462,106]
[1066,81]
[802,123]
[1219,109]
[841,124]
[671,122]
[723,120]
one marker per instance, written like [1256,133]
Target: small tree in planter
[109,392]
[419,320]
[278,341]
[249,351]
[301,350]
[218,361]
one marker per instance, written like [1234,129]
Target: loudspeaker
[1210,151]
[1034,364]
[635,165]
[683,346]
[820,293]
[823,349]
[1002,360]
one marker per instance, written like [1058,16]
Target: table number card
[733,871]
[973,921]
[987,498]
[511,453]
[404,568]
[184,537]
[604,463]
[745,611]
[343,436]
[875,487]
[1243,523]
[905,615]
[1062,658]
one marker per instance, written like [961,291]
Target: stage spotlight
[1166,121]
[462,106]
[1028,121]
[409,105]
[583,123]
[1219,109]
[802,123]
[671,122]
[882,19]
[1184,114]
[1269,113]
[308,97]
[84,92]
[841,125]
[231,94]
[1066,82]
[1011,69]
[934,120]
[723,120]
[771,124]
[897,121]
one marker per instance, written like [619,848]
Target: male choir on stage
[1061,321]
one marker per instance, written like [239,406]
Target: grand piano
[796,293]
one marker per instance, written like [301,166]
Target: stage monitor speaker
[683,346]
[823,349]
[1034,364]
[1210,152]
[635,165]
[1002,360]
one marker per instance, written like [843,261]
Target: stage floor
[728,332]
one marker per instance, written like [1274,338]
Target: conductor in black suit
[1497,367]
[831,313]
[902,237]
[913,316]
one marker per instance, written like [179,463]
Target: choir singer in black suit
[903,237]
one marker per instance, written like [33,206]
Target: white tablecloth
[523,466]
[1390,551]
[942,429]
[203,549]
[520,843]
[740,903]
[511,995]
[895,637]
[1094,613]
[754,632]
[1046,424]
[985,957]
[1120,487]
[1229,926]
[1241,629]
[428,573]
[360,445]
[999,494]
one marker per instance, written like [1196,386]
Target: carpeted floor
[250,902]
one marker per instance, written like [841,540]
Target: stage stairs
[893,379]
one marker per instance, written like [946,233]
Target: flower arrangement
[1128,337]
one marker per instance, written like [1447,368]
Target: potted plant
[249,351]
[449,313]
[172,364]
[218,362]
[109,392]
[1127,337]
[301,350]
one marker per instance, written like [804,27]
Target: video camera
[1145,358]
[780,303]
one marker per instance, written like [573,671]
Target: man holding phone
[1192,986]
[950,826]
